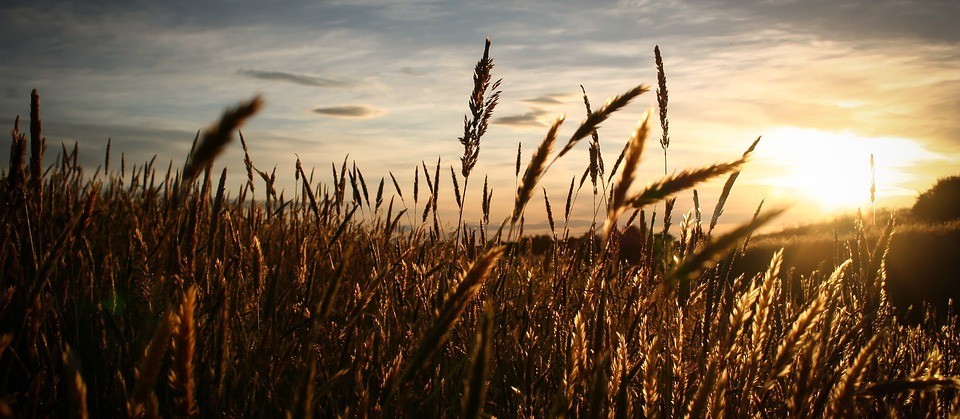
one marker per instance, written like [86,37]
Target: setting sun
[833,168]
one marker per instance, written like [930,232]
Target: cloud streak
[551,99]
[349,111]
[302,79]
[528,119]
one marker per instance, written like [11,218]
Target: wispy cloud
[528,119]
[549,99]
[296,78]
[349,111]
[412,71]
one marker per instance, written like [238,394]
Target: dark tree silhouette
[941,202]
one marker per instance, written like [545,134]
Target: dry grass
[255,304]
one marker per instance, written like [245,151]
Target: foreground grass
[137,293]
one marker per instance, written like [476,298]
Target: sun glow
[833,168]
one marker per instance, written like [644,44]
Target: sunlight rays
[833,168]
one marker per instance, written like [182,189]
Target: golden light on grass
[285,306]
[832,169]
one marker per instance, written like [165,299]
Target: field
[919,273]
[144,292]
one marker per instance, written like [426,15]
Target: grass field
[144,292]
[919,269]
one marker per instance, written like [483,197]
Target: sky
[825,83]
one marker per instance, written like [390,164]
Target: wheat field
[144,292]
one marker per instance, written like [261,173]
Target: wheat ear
[149,366]
[534,171]
[450,312]
[631,158]
[217,136]
[476,383]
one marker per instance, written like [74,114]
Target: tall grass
[268,305]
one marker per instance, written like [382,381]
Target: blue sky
[387,81]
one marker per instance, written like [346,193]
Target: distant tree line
[939,203]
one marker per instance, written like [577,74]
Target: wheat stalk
[453,307]
[481,108]
[596,158]
[789,344]
[37,147]
[594,119]
[149,366]
[662,99]
[184,348]
[842,396]
[716,248]
[533,172]
[631,156]
[476,383]
[890,387]
[217,136]
[303,399]
[686,179]
[727,187]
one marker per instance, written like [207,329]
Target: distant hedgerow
[941,202]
